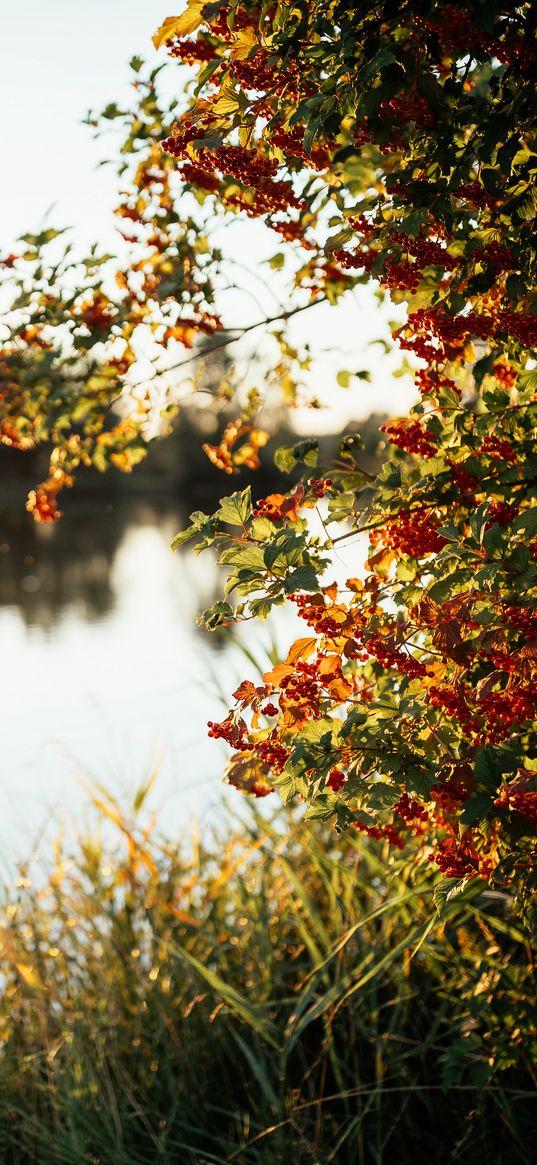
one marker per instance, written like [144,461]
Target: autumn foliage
[392,143]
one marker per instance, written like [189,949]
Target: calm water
[104,672]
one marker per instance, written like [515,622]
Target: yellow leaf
[246,40]
[227,101]
[182,25]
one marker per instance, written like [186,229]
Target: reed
[269,995]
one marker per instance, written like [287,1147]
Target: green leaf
[488,768]
[216,615]
[247,554]
[236,509]
[260,608]
[381,796]
[285,545]
[304,578]
[526,521]
[527,380]
[477,810]
[288,456]
[449,890]
[183,536]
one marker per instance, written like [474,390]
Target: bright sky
[58,60]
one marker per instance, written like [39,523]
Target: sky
[57,60]
[62,58]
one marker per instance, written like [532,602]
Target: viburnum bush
[394,142]
[388,142]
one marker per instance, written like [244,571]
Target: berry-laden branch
[394,145]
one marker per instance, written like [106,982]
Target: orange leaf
[301,649]
[248,774]
[331,591]
[296,715]
[278,673]
[335,682]
[246,692]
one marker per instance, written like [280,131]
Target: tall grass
[264,998]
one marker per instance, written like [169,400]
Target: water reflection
[49,571]
[103,667]
[46,570]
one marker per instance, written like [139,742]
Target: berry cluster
[505,375]
[292,232]
[387,833]
[182,136]
[270,710]
[521,325]
[200,178]
[255,73]
[273,753]
[475,193]
[426,252]
[192,51]
[452,330]
[497,449]
[500,514]
[249,167]
[291,143]
[501,257]
[257,171]
[324,620]
[336,780]
[362,225]
[452,698]
[390,656]
[458,35]
[412,534]
[406,109]
[452,792]
[320,485]
[411,809]
[501,660]
[430,380]
[43,505]
[466,484]
[362,135]
[304,684]
[355,260]
[402,276]
[522,620]
[520,795]
[457,858]
[504,709]
[411,437]
[232,730]
[218,23]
